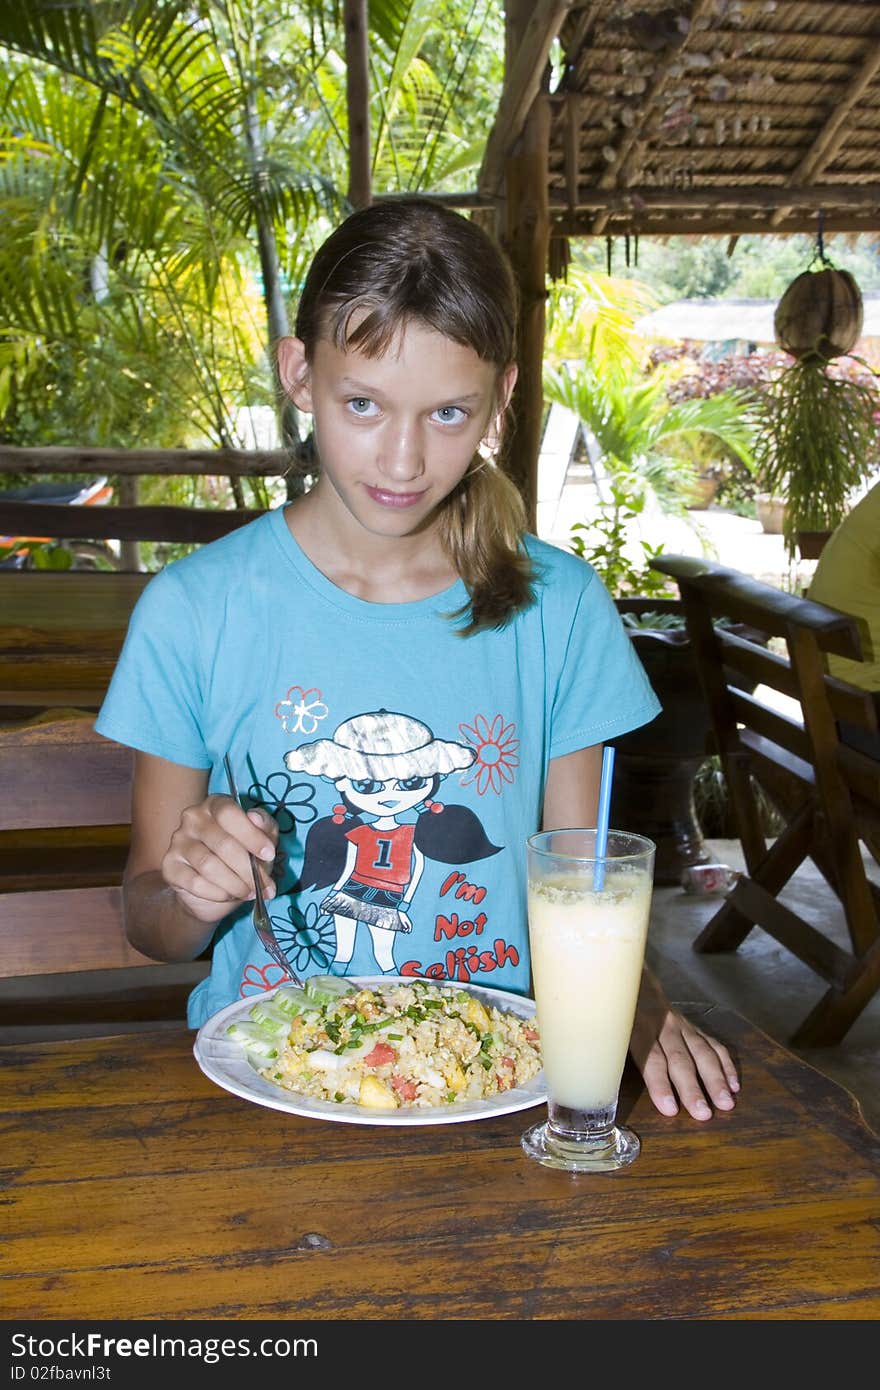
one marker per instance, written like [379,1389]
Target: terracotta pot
[771,513]
[703,492]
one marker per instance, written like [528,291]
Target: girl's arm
[188,864]
[677,1060]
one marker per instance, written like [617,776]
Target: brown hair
[414,260]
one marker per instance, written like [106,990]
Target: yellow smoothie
[587,953]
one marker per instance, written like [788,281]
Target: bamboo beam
[581,225]
[712,198]
[525,69]
[357,90]
[833,133]
[527,241]
[214,463]
[573,111]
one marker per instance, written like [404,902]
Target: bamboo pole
[527,241]
[357,87]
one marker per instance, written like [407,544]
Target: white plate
[226,1063]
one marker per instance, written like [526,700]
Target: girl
[401,601]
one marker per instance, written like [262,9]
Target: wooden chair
[828,789]
[60,637]
[65,966]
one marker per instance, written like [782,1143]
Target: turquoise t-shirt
[405,765]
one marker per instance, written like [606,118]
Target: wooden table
[136,1188]
[60,636]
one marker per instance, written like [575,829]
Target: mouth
[385,498]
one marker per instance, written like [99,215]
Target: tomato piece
[505,1076]
[407,1090]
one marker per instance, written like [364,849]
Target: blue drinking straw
[602,816]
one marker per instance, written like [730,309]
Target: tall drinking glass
[588,920]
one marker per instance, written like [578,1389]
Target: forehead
[418,360]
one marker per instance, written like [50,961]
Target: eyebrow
[360,388]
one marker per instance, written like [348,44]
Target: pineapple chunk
[453,1075]
[376,1095]
[475,1013]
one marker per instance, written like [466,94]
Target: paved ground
[732,540]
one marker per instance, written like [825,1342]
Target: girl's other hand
[680,1063]
[207,861]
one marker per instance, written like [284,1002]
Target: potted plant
[817,430]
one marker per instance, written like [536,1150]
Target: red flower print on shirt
[301,711]
[257,979]
[496,753]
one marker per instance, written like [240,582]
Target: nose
[403,455]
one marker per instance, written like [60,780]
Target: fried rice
[395,1045]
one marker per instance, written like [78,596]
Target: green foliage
[760,267]
[606,545]
[638,429]
[163,184]
[816,444]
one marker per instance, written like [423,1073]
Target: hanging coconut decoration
[820,314]
[817,436]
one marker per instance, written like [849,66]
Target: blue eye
[361,405]
[366,786]
[412,784]
[450,414]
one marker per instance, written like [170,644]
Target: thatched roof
[701,117]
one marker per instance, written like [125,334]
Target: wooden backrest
[65,813]
[60,636]
[793,665]
[57,772]
[183,525]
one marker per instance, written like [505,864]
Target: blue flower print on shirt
[288,802]
[307,939]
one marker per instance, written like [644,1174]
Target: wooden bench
[66,968]
[828,789]
[60,636]
[132,522]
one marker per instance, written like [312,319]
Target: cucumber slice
[254,1038]
[323,989]
[290,1000]
[269,1018]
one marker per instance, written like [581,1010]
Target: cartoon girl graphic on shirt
[383,765]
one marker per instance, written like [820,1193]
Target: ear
[506,385]
[294,373]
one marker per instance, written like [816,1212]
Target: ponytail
[481,528]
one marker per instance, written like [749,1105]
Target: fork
[262,924]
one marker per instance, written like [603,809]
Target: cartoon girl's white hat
[380,745]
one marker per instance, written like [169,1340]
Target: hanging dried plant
[817,433]
[816,442]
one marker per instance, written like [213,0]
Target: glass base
[602,1154]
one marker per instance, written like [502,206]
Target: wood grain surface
[136,1188]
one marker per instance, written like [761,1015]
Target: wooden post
[129,551]
[357,85]
[527,240]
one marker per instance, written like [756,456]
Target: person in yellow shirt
[847,577]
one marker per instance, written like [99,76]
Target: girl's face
[390,798]
[396,433]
